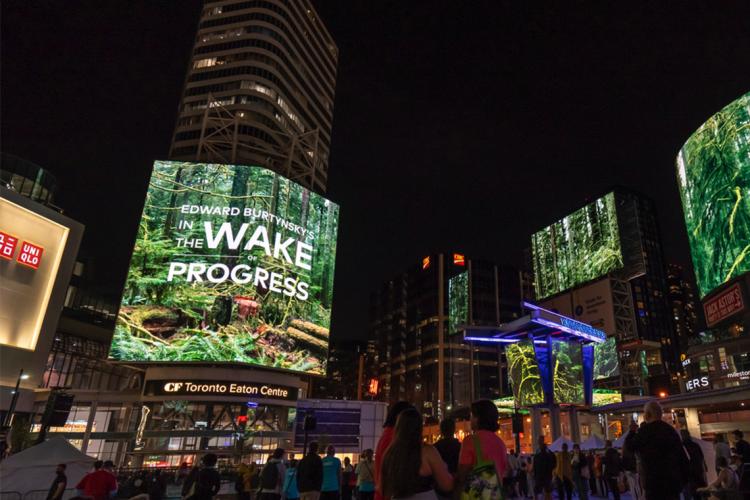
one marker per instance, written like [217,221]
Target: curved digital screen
[231,263]
[713,172]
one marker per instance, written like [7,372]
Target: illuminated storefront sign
[697,383]
[459,259]
[219,388]
[724,305]
[33,247]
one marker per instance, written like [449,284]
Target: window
[204,63]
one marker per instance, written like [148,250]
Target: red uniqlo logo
[30,255]
[7,245]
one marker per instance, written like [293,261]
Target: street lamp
[14,399]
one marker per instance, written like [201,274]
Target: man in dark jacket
[205,482]
[310,474]
[544,466]
[612,468]
[663,461]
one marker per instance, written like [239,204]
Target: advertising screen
[713,173]
[578,248]
[523,370]
[606,362]
[231,263]
[458,302]
[567,372]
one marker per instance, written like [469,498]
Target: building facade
[683,301]
[260,89]
[416,318]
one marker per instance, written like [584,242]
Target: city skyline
[419,121]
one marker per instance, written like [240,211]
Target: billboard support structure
[297,157]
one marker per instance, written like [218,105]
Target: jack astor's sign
[178,387]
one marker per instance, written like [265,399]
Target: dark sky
[457,125]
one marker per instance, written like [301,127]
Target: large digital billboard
[231,264]
[458,302]
[578,248]
[713,173]
[523,371]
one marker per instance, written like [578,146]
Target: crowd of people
[656,463]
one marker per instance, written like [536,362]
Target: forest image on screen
[567,372]
[523,370]
[579,248]
[713,172]
[231,264]
[458,302]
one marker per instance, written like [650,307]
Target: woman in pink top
[484,424]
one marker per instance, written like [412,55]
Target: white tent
[558,443]
[33,469]
[593,442]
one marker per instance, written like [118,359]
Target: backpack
[269,477]
[482,482]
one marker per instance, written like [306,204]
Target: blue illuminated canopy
[539,324]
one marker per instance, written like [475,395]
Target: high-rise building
[260,89]
[684,304]
[416,318]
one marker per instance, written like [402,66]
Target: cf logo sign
[172,386]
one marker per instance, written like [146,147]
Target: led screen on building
[713,172]
[523,370]
[567,372]
[458,302]
[231,263]
[578,248]
[606,362]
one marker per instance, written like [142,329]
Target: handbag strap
[477,448]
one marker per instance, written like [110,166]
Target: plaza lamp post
[12,408]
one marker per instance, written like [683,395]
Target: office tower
[684,304]
[416,318]
[260,89]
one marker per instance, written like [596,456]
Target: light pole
[14,399]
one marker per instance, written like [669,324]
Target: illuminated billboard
[231,264]
[458,302]
[523,371]
[567,372]
[578,248]
[713,173]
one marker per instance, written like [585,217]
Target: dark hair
[312,449]
[738,433]
[109,463]
[210,459]
[486,413]
[394,411]
[63,466]
[98,464]
[721,461]
[277,453]
[447,427]
[403,457]
[330,450]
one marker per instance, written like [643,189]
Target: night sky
[457,125]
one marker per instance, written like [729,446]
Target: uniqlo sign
[30,255]
[8,245]
[724,305]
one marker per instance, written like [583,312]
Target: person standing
[157,485]
[99,484]
[291,491]
[483,444]
[630,468]
[448,446]
[612,469]
[272,476]
[564,474]
[722,449]
[697,471]
[544,466]
[580,469]
[331,488]
[385,440]
[365,472]
[59,484]
[310,474]
[741,446]
[663,461]
[412,469]
[348,480]
[205,482]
